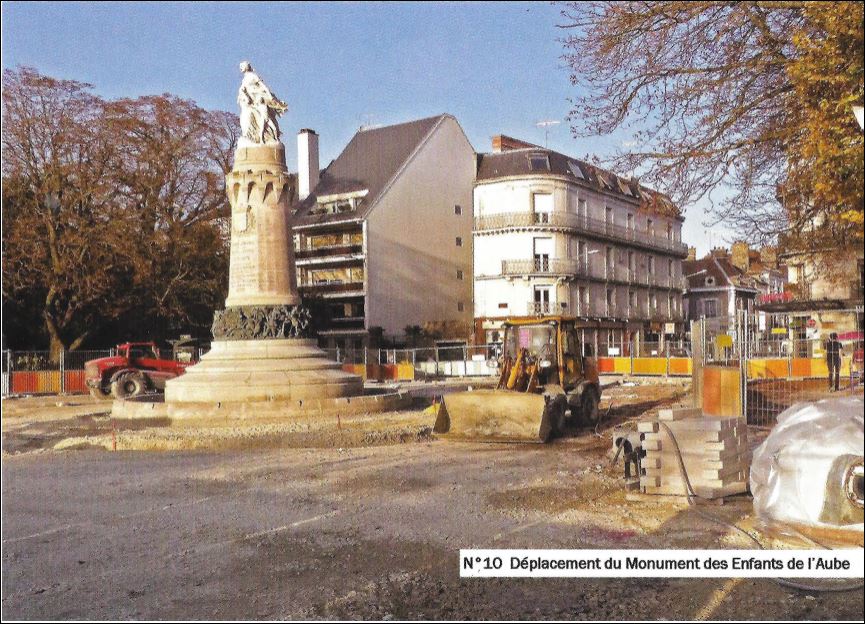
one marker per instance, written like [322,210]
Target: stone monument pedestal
[262,350]
[289,369]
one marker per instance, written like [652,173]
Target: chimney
[692,254]
[739,256]
[307,162]
[504,143]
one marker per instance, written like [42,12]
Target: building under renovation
[555,235]
[383,234]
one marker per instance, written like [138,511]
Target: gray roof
[370,161]
[517,162]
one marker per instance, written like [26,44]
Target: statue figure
[259,109]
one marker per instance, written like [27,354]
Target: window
[651,265]
[503,306]
[459,241]
[459,274]
[610,302]
[458,210]
[669,268]
[543,206]
[582,208]
[630,221]
[710,280]
[543,248]
[460,306]
[539,162]
[710,308]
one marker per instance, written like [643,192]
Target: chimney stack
[740,256]
[307,162]
[504,143]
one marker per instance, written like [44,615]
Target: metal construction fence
[770,361]
[36,372]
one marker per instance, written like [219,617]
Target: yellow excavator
[545,381]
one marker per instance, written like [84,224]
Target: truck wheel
[99,394]
[128,385]
[589,407]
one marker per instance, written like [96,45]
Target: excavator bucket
[495,416]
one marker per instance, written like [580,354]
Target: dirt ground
[364,520]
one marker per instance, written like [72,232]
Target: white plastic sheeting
[798,474]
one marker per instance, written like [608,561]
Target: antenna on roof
[546,124]
[366,122]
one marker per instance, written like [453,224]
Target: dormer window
[539,162]
[575,169]
[339,203]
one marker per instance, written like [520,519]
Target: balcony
[540,308]
[576,223]
[324,251]
[332,288]
[542,266]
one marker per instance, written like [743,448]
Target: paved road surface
[356,533]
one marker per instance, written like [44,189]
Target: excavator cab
[544,380]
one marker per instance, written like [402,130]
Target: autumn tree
[749,97]
[113,212]
[170,170]
[59,213]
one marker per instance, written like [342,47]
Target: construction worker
[833,360]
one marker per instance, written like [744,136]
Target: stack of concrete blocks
[714,450]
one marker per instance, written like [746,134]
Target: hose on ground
[691,495]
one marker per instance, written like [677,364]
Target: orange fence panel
[722,391]
[681,366]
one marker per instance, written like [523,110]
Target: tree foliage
[752,97]
[114,213]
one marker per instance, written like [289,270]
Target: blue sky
[495,66]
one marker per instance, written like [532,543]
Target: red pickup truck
[136,368]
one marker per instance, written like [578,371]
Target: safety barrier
[645,366]
[65,379]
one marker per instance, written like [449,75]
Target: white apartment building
[383,233]
[554,235]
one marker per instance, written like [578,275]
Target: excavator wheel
[128,385]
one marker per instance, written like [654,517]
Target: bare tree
[716,96]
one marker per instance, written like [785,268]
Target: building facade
[383,234]
[823,294]
[718,290]
[554,235]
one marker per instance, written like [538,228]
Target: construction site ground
[362,521]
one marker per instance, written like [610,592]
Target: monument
[262,349]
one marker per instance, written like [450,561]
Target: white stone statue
[259,110]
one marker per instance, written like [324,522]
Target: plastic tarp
[799,473]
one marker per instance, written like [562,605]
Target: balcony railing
[570,221]
[327,250]
[331,286]
[542,266]
[537,308]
